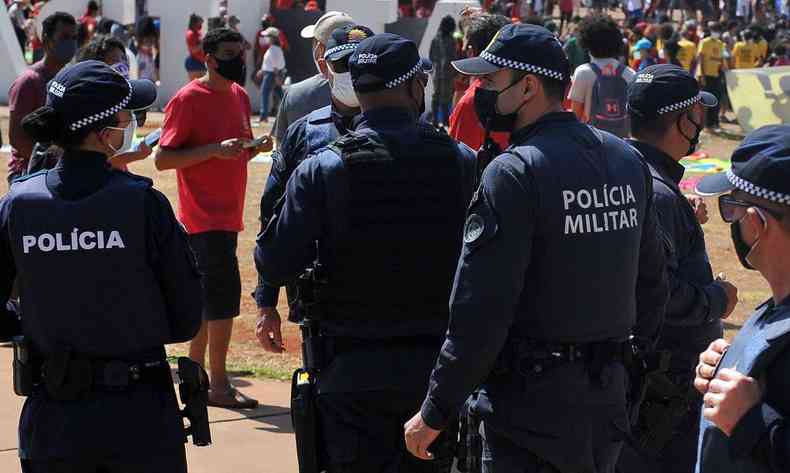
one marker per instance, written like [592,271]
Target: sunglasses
[732,209]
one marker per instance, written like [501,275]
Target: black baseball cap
[91,91]
[522,47]
[664,88]
[385,61]
[344,40]
[760,167]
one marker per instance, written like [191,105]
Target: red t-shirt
[566,6]
[193,40]
[210,194]
[466,127]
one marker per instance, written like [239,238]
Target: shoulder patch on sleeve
[481,223]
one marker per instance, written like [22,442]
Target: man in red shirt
[28,92]
[465,125]
[205,131]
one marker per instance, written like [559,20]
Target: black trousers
[502,455]
[171,462]
[714,85]
[363,433]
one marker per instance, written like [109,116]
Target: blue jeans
[267,85]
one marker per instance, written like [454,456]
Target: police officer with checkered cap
[561,264]
[746,398]
[103,268]
[667,110]
[386,204]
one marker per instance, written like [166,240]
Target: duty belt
[532,357]
[116,375]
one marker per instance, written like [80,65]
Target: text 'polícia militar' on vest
[600,221]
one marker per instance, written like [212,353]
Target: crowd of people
[585,323]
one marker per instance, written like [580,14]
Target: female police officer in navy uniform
[103,269]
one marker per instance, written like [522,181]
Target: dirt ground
[248,358]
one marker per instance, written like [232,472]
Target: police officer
[386,204]
[561,263]
[103,268]
[746,394]
[667,113]
[304,137]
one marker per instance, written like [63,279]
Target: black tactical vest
[592,194]
[397,258]
[85,281]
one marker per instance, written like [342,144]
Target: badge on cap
[474,228]
[356,35]
[645,78]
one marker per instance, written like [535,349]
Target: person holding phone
[206,126]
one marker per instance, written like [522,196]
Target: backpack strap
[597,70]
[620,70]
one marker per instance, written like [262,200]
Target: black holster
[26,368]
[193,390]
[304,417]
[470,443]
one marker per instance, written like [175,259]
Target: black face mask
[693,142]
[232,69]
[485,106]
[741,248]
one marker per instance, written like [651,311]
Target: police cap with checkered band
[665,88]
[522,47]
[91,91]
[344,40]
[760,167]
[385,61]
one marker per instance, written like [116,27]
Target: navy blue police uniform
[561,264]
[103,267]
[388,221]
[760,441]
[697,302]
[304,137]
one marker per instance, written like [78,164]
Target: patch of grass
[242,363]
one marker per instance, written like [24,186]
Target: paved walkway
[249,441]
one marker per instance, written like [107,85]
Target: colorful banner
[760,97]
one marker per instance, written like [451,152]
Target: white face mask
[315,61]
[343,89]
[128,136]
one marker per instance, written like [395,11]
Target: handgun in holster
[303,384]
[470,443]
[26,368]
[193,391]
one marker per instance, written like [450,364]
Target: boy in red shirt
[206,128]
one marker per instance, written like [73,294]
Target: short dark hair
[482,29]
[194,18]
[220,35]
[99,47]
[50,24]
[93,5]
[600,35]
[447,25]
[654,126]
[554,89]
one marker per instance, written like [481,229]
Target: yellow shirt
[743,55]
[762,53]
[711,51]
[686,53]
